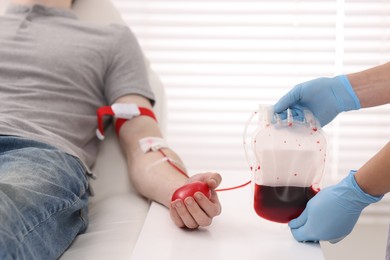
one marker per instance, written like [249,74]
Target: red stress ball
[190,189]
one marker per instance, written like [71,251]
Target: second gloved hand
[324,97]
[332,213]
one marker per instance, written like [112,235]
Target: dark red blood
[281,204]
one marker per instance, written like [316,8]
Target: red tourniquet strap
[147,112]
[109,111]
[143,112]
[101,112]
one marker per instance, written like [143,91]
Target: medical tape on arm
[122,112]
[156,144]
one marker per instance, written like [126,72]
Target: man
[55,73]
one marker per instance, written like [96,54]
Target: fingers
[297,112]
[195,211]
[299,221]
[212,207]
[198,210]
[200,216]
[334,241]
[298,227]
[174,213]
[182,217]
[300,234]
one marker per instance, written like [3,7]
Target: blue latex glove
[324,97]
[332,213]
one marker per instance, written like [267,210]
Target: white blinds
[220,59]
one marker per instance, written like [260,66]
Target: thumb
[213,180]
[284,102]
[299,227]
[299,221]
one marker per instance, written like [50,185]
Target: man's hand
[197,211]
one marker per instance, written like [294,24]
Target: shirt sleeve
[126,73]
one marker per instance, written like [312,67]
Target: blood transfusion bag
[287,159]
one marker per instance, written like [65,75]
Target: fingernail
[198,196]
[214,181]
[189,201]
[178,204]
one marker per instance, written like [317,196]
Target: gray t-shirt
[56,71]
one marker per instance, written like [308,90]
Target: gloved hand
[332,213]
[324,97]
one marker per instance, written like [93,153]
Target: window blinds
[220,59]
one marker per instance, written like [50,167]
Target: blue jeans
[43,199]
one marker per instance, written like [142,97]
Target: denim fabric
[43,200]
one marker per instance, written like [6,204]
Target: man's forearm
[150,173]
[154,177]
[372,86]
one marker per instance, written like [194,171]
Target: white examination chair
[117,211]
